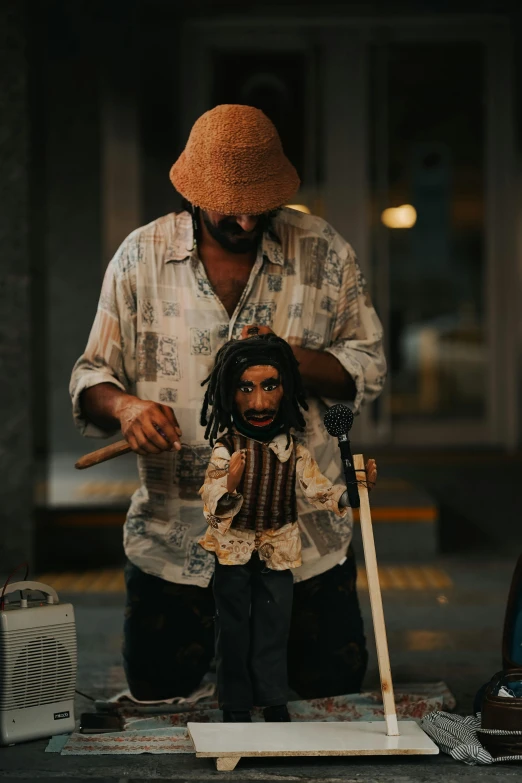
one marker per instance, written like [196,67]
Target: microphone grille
[338,420]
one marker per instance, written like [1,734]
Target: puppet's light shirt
[157,330]
[279,547]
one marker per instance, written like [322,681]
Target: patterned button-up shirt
[279,547]
[158,327]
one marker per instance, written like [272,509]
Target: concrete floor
[450,630]
[452,634]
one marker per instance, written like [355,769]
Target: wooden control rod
[102,455]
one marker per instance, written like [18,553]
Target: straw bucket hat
[234,163]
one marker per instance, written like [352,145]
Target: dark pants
[253,613]
[168,638]
[169,635]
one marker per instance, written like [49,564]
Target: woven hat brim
[234,198]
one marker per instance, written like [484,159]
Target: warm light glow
[404,216]
[299,208]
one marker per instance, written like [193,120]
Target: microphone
[338,421]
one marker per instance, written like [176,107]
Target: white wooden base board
[227,742]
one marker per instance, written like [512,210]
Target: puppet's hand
[371,473]
[253,329]
[235,469]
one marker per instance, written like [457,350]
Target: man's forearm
[324,375]
[100,404]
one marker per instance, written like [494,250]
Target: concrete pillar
[16,523]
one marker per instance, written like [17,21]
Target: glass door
[403,133]
[434,160]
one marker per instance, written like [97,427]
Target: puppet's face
[258,395]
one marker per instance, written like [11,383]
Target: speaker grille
[37,666]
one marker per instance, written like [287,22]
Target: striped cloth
[267,486]
[457,736]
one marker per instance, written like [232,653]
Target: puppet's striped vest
[267,486]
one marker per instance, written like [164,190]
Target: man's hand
[323,374]
[236,469]
[254,329]
[148,427]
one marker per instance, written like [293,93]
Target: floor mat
[166,733]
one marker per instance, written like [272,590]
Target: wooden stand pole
[229,742]
[374,588]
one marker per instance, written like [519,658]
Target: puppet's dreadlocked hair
[232,360]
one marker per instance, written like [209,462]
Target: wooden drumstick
[102,455]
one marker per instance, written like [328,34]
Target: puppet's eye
[270,386]
[244,389]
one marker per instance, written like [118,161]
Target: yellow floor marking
[401,514]
[391,577]
[83,581]
[397,578]
[362,580]
[98,583]
[393,485]
[115,582]
[436,578]
[107,489]
[415,577]
[60,581]
[86,517]
[424,641]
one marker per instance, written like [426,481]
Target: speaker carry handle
[15,587]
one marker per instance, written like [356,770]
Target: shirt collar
[181,242]
[271,248]
[279,447]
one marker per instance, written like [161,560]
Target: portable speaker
[38,661]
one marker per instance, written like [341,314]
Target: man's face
[258,395]
[235,233]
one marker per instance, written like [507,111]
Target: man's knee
[168,640]
[327,647]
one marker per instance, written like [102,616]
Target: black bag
[512,635]
[501,729]
[501,724]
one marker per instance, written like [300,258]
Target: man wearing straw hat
[175,292]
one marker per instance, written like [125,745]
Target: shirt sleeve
[110,354]
[317,489]
[215,489]
[357,338]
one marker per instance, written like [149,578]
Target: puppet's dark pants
[253,614]
[169,635]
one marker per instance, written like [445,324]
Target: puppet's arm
[317,489]
[220,505]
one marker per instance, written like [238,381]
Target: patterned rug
[163,728]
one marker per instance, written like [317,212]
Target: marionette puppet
[256,396]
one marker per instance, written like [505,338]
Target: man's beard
[231,236]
